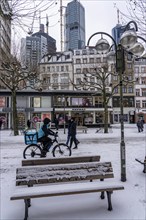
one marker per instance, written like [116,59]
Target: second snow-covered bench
[54,178]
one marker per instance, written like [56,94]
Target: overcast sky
[100,15]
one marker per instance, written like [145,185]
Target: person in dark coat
[1,122]
[68,134]
[72,132]
[140,125]
[56,121]
[28,123]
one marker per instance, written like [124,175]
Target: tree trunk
[105,111]
[14,113]
[105,118]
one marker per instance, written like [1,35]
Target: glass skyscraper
[74,26]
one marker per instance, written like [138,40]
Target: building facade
[74,26]
[33,48]
[140,89]
[5,31]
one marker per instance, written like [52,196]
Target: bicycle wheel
[32,150]
[61,150]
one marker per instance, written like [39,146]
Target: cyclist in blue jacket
[43,133]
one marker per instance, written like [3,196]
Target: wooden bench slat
[63,173]
[45,161]
[64,189]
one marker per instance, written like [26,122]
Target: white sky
[100,15]
[128,204]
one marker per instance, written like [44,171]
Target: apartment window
[98,60]
[143,104]
[124,89]
[92,79]
[78,70]
[143,69]
[137,92]
[46,80]
[104,59]
[62,68]
[48,68]
[77,52]
[130,89]
[91,51]
[143,80]
[91,60]
[138,104]
[130,77]
[115,77]
[57,68]
[131,102]
[78,81]
[136,69]
[64,80]
[129,66]
[85,60]
[55,79]
[44,69]
[85,70]
[67,68]
[125,102]
[84,52]
[78,60]
[144,92]
[116,90]
[53,68]
[116,102]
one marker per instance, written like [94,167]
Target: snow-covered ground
[128,204]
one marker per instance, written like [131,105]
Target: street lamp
[62,99]
[128,43]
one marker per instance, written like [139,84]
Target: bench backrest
[65,160]
[63,173]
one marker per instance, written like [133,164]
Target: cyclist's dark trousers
[46,142]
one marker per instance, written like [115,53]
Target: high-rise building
[51,42]
[74,26]
[117,31]
[5,31]
[33,48]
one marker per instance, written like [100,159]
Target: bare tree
[15,78]
[136,10]
[101,83]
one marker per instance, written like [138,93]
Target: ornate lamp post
[128,43]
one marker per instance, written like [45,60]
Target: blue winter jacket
[45,131]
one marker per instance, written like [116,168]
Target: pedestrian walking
[1,122]
[72,132]
[56,121]
[28,124]
[68,133]
[140,125]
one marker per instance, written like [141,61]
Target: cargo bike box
[31,137]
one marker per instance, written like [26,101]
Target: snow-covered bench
[54,178]
[47,161]
[143,163]
[82,128]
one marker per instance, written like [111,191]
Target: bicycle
[35,148]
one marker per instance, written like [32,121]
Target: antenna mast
[118,16]
[61,27]
[47,24]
